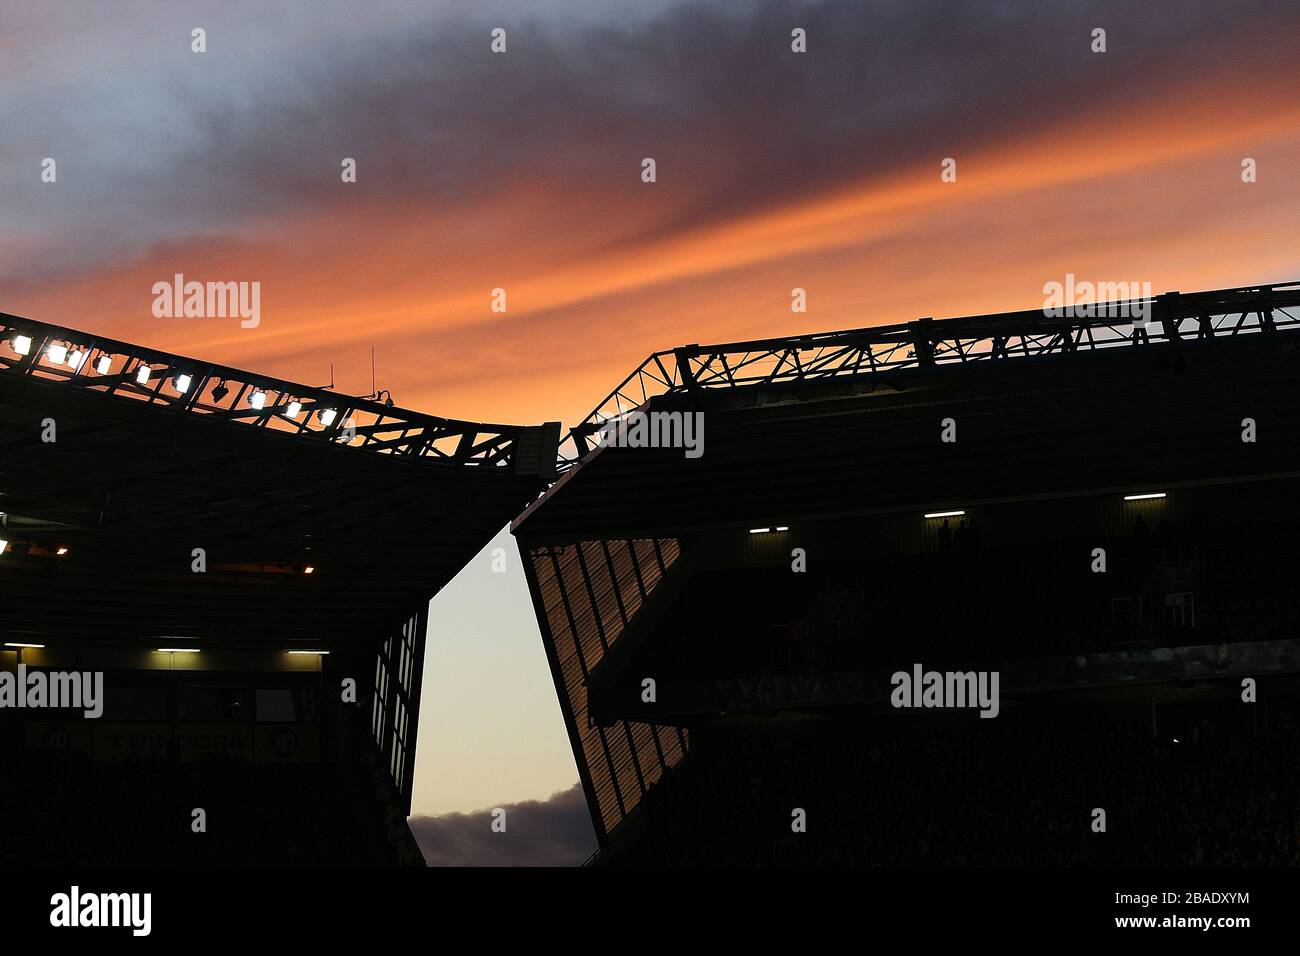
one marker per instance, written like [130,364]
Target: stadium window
[398,764]
[409,632]
[380,700]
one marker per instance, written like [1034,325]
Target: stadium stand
[248,562]
[1101,511]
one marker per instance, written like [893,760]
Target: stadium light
[142,374]
[104,365]
[77,358]
[759,530]
[61,551]
[22,344]
[178,650]
[782,527]
[944,514]
[219,391]
[310,569]
[257,399]
[294,408]
[1154,494]
[182,383]
[57,353]
[21,644]
[317,653]
[327,416]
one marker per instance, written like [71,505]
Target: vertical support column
[921,342]
[1170,314]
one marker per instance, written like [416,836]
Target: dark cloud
[708,87]
[718,73]
[552,832]
[711,90]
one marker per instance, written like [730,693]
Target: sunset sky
[522,171]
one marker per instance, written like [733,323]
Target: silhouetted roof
[384,503]
[850,421]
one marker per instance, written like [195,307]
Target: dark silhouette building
[725,631]
[248,562]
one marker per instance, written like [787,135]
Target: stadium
[1077,531]
[248,563]
[1101,514]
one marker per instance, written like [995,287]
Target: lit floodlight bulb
[327,416]
[77,358]
[294,409]
[22,344]
[142,374]
[257,399]
[104,364]
[57,353]
[182,383]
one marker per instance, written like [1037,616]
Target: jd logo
[284,743]
[57,738]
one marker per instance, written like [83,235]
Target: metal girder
[104,366]
[927,343]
